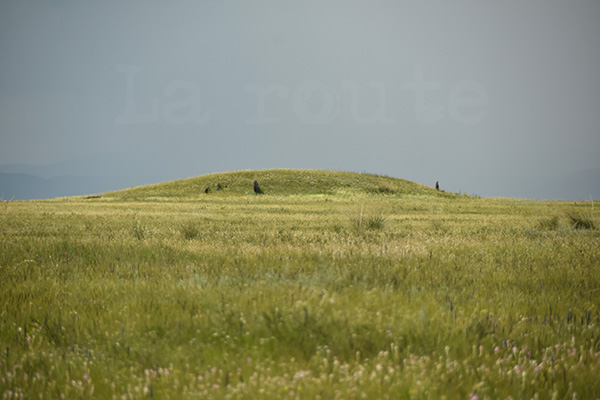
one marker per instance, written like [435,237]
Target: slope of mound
[278,182]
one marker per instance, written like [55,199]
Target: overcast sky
[480,95]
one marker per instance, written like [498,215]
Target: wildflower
[85,377]
[300,375]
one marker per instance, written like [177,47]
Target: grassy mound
[278,182]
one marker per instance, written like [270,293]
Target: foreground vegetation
[329,285]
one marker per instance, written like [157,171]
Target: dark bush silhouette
[257,188]
[207,190]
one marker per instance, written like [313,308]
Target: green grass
[275,182]
[166,292]
[190,230]
[550,224]
[579,221]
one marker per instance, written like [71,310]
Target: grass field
[329,286]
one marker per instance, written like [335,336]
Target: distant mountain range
[78,176]
[26,187]
[578,186]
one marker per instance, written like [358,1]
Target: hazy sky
[455,91]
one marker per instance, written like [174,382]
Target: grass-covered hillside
[329,286]
[276,182]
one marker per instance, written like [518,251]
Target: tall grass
[279,296]
[549,224]
[190,230]
[580,221]
[139,231]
